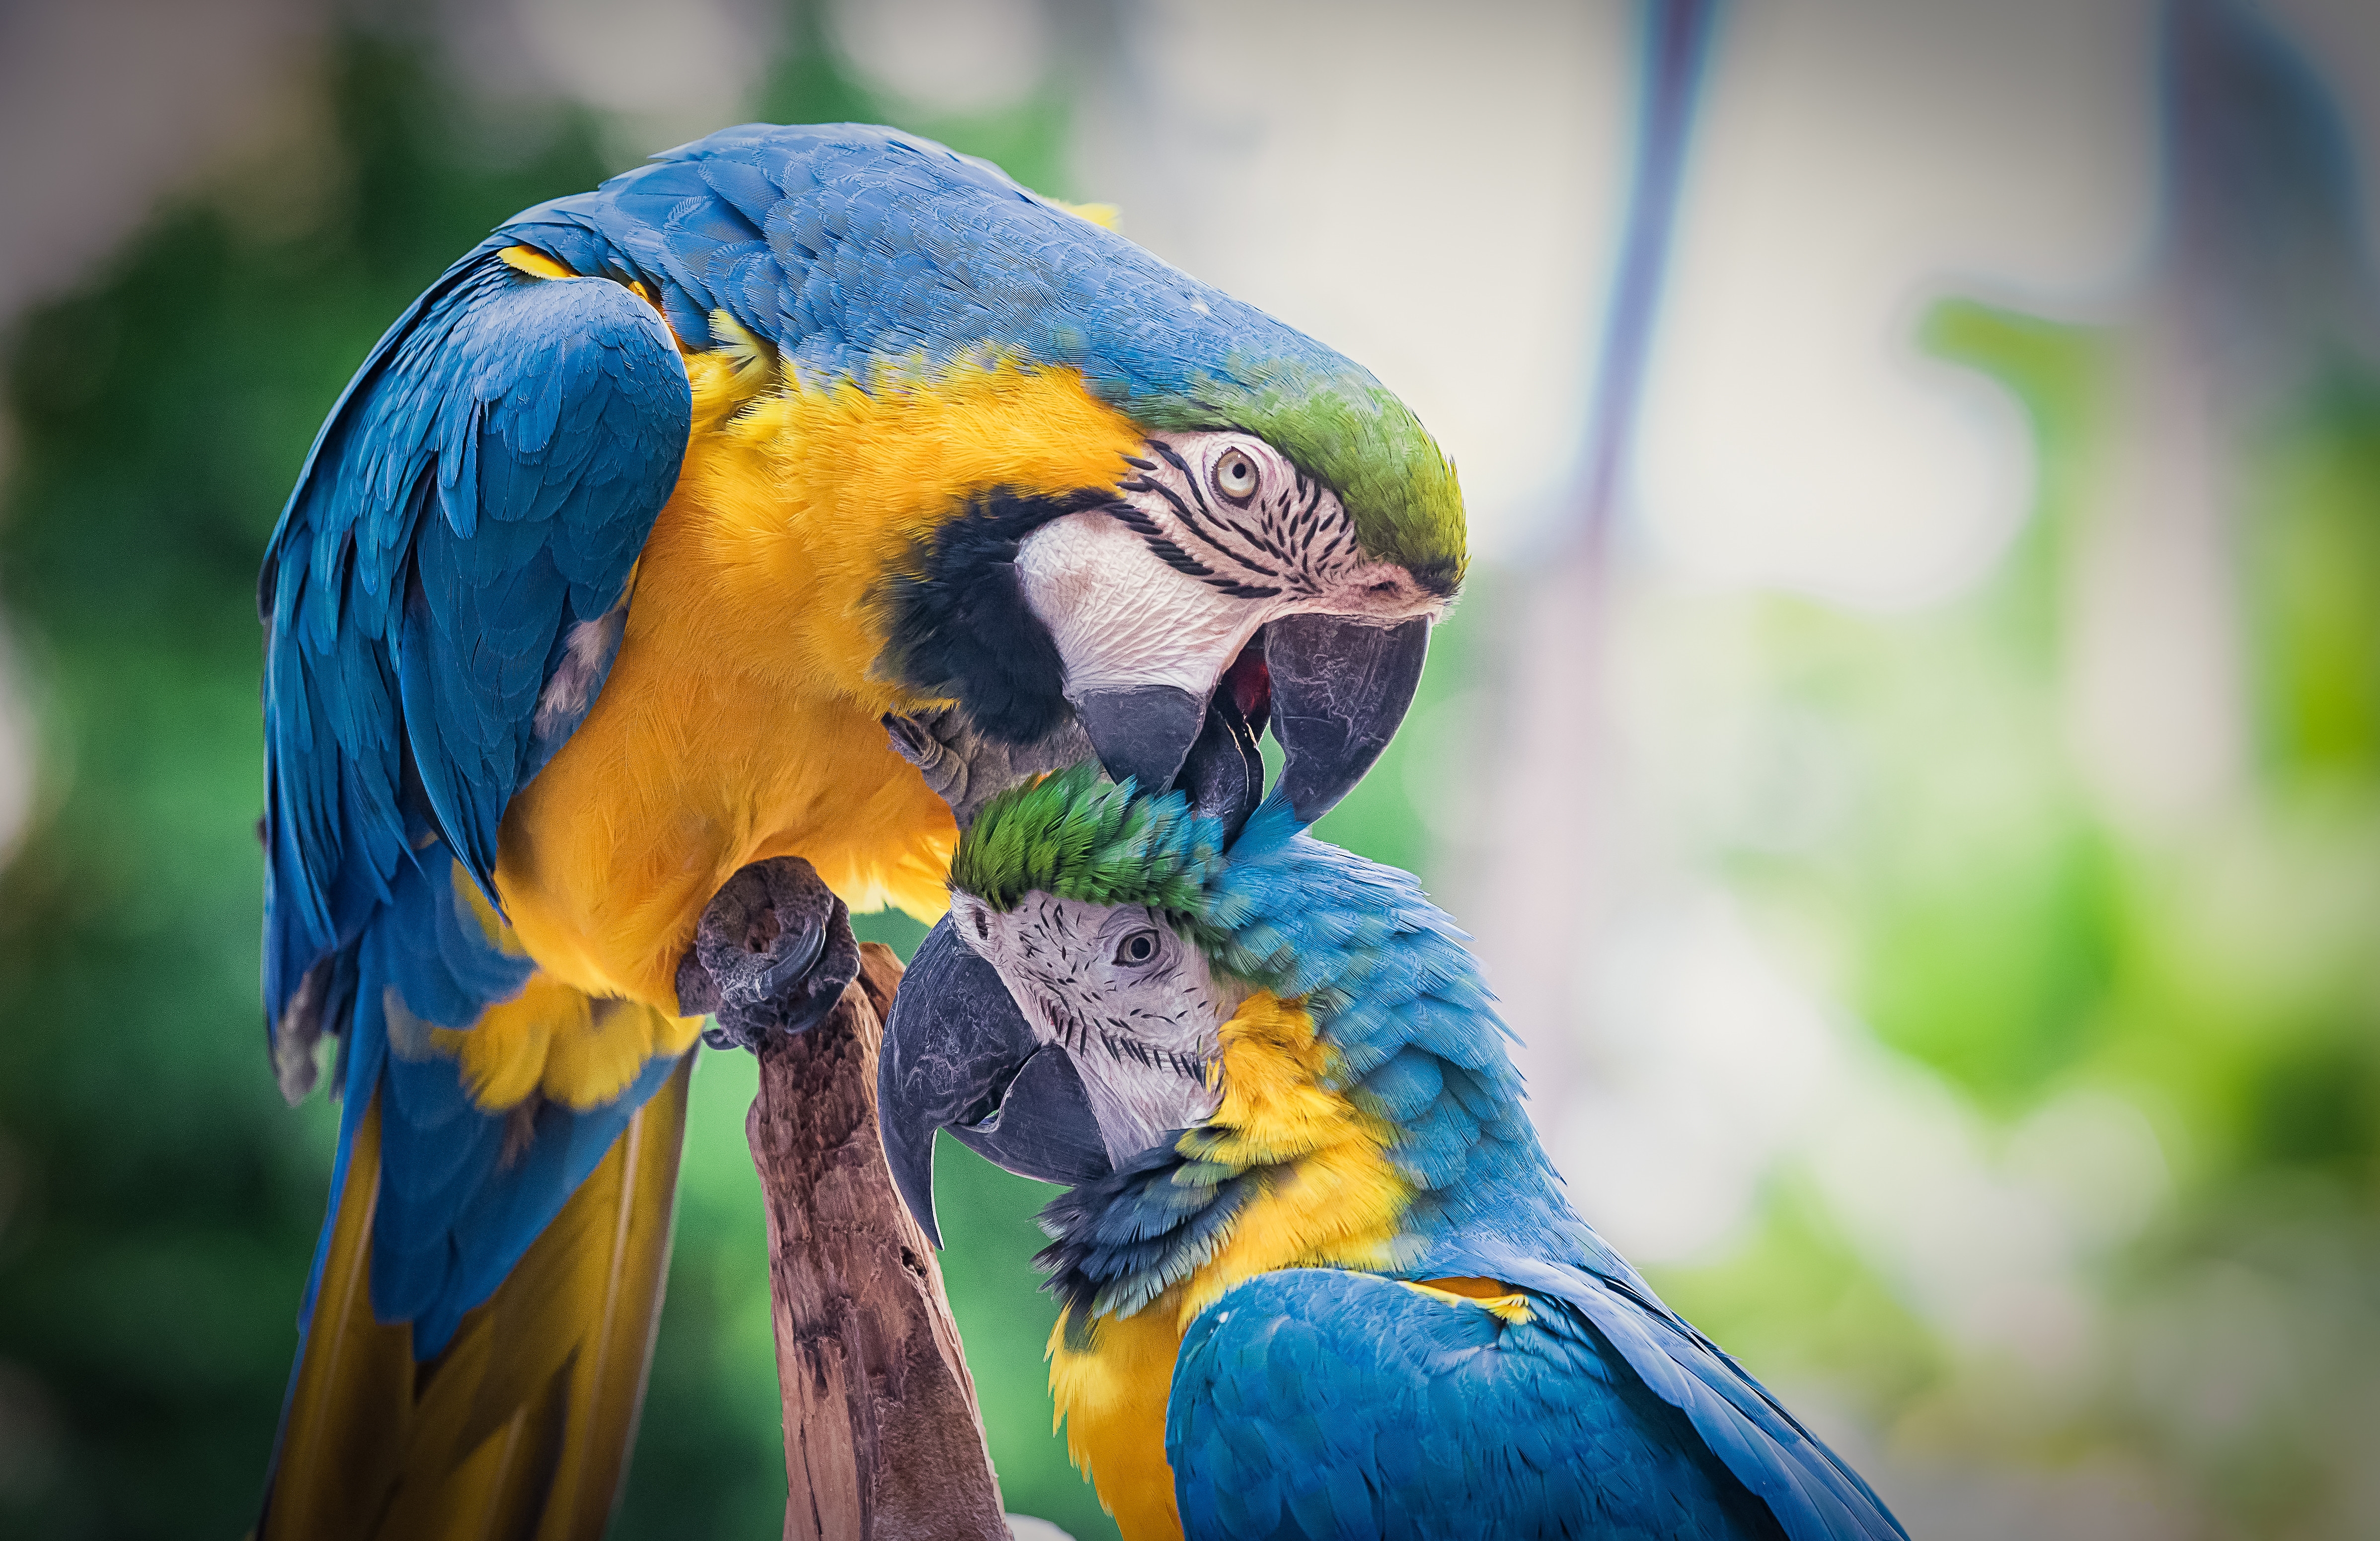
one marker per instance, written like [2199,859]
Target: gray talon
[967,768]
[770,955]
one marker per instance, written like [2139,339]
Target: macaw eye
[1236,476]
[1138,948]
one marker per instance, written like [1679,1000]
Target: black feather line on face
[1203,526]
[1206,523]
[1168,493]
[1170,456]
[960,628]
[1136,520]
[1256,535]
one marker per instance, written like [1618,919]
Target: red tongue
[1250,685]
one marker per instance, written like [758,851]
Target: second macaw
[596,589]
[1316,1277]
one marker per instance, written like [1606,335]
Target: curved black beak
[1143,732]
[1224,774]
[1340,688]
[959,1055]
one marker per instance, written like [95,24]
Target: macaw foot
[770,955]
[966,769]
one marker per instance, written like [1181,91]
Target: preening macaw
[1316,1277]
[597,587]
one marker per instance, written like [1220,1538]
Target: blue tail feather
[462,1193]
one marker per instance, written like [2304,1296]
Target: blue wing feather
[1317,1404]
[454,1210]
[484,486]
[479,495]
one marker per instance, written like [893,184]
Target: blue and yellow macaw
[1318,1278]
[599,586]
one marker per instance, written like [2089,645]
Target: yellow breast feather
[1334,1200]
[740,719]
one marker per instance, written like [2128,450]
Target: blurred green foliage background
[157,1203]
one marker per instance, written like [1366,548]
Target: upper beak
[959,1055]
[1338,686]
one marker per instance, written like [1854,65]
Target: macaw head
[1060,1020]
[1271,552]
[1174,519]
[1130,501]
[1066,1017]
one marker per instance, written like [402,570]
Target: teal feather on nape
[1074,835]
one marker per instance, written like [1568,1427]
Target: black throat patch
[960,628]
[1121,1240]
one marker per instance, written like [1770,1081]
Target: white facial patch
[1121,616]
[1215,535]
[1137,1009]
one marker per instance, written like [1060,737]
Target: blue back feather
[484,486]
[849,245]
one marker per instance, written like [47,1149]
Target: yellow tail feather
[520,1429]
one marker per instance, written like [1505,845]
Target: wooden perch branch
[882,1436]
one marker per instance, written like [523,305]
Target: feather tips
[520,1427]
[483,487]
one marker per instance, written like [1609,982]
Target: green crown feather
[1074,835]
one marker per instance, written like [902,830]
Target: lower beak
[1338,686]
[1143,733]
[1224,775]
[958,1055]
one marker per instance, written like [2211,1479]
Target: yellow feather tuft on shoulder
[1107,216]
[1499,1298]
[530,260]
[750,359]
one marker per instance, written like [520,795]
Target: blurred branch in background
[1975,1011]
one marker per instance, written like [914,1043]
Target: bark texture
[882,1438]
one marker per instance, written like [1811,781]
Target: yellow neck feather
[1334,1201]
[739,721]
[797,499]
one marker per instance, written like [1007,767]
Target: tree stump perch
[882,1436]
